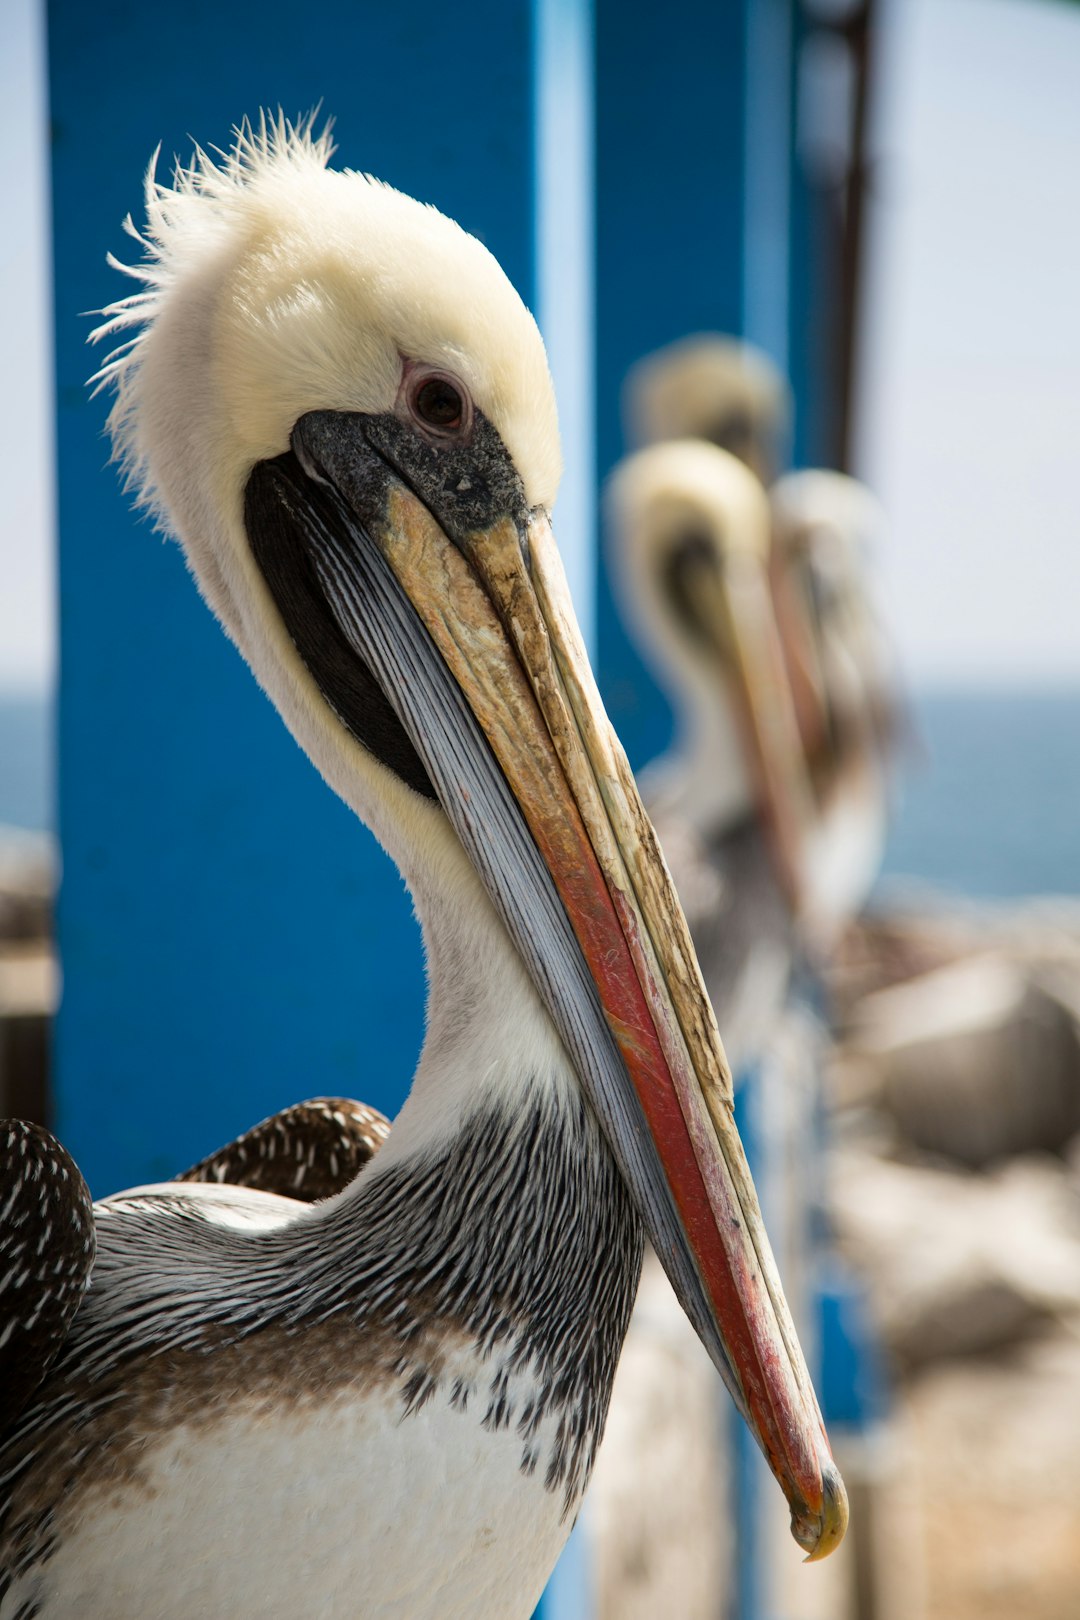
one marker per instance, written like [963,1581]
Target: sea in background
[26,764]
[988,804]
[988,800]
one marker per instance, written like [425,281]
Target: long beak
[485,617]
[737,600]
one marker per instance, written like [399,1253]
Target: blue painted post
[749,1584]
[809,292]
[693,207]
[768,283]
[563,78]
[231,939]
[671,145]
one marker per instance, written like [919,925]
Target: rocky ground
[955,1187]
[995,1449]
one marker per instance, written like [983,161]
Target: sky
[970,398]
[27,630]
[970,378]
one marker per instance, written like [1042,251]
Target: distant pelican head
[689,540]
[715,388]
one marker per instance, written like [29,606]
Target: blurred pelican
[815,821]
[715,388]
[689,539]
[825,527]
[843,677]
[688,532]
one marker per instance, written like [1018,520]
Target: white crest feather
[179,217]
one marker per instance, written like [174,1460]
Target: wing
[46,1255]
[307,1152]
[217,1203]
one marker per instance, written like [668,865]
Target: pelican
[388,1403]
[689,539]
[840,667]
[715,388]
[843,677]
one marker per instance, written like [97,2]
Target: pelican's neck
[704,776]
[489,1043]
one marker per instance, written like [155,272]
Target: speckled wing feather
[310,1151]
[46,1256]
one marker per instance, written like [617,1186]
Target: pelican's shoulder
[218,1204]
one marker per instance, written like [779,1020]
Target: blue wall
[232,940]
[671,128]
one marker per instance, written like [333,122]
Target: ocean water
[989,799]
[988,804]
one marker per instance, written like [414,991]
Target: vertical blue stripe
[748,1465]
[812,271]
[570,1593]
[690,199]
[769,136]
[563,70]
[670,158]
[232,940]
[566,292]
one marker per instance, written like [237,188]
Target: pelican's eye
[438,403]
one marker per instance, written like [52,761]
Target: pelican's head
[340,406]
[276,287]
[715,388]
[689,544]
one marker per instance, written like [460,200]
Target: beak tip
[819,1534]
